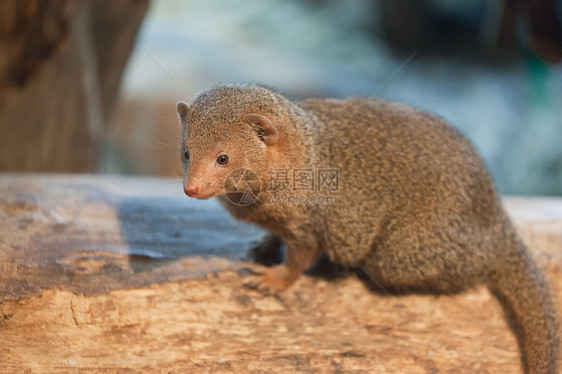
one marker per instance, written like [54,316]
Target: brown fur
[416,206]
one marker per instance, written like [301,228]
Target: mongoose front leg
[297,259]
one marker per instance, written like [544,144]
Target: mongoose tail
[521,287]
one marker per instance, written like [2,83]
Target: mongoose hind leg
[421,266]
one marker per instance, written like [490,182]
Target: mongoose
[416,207]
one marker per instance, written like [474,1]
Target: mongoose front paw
[274,279]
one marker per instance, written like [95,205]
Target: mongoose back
[416,207]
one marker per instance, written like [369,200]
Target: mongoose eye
[186,155]
[222,160]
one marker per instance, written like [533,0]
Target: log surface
[105,274]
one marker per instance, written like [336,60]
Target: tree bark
[61,62]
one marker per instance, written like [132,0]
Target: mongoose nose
[191,192]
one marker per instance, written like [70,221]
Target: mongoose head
[227,129]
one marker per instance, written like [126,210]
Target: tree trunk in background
[60,66]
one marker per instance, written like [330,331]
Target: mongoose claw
[256,269]
[255,275]
[269,280]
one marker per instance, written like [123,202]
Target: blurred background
[91,85]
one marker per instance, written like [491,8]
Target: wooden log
[120,274]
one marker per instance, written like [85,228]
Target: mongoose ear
[266,130]
[183,111]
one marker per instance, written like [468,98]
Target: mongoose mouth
[196,193]
[206,197]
